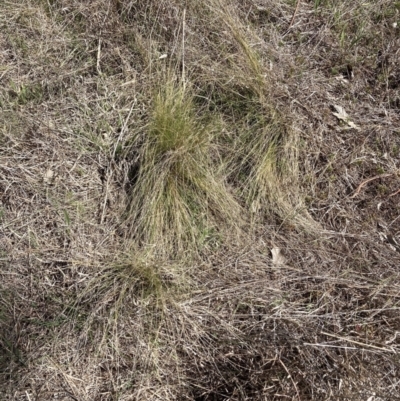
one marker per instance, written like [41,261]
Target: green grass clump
[179,201]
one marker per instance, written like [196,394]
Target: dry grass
[152,154]
[178,202]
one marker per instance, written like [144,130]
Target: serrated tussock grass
[268,151]
[180,200]
[262,153]
[137,278]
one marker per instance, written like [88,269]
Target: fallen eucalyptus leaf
[342,115]
[277,257]
[353,125]
[48,177]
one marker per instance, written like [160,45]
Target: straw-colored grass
[182,216]
[179,200]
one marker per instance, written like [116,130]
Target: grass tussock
[183,217]
[179,201]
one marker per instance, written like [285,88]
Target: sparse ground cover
[199,200]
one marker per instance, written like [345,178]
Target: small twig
[359,188]
[108,182]
[106,189]
[124,128]
[291,378]
[395,193]
[356,342]
[294,16]
[183,47]
[98,57]
[331,346]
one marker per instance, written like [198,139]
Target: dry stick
[356,342]
[291,378]
[366,182]
[183,47]
[395,193]
[294,16]
[103,212]
[98,57]
[124,127]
